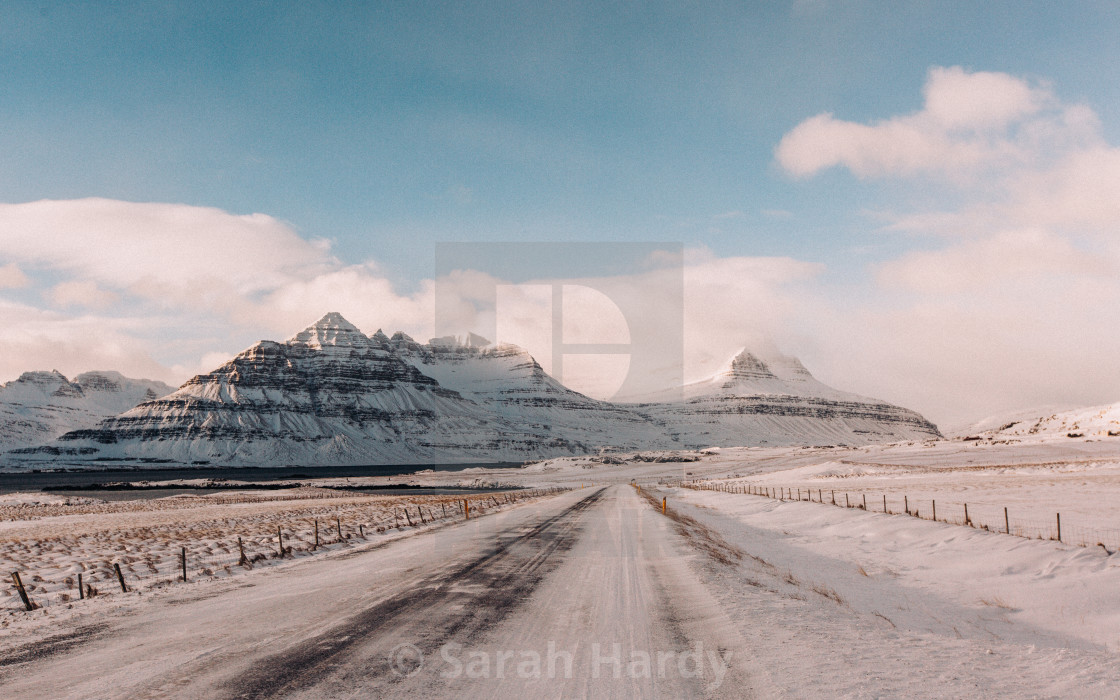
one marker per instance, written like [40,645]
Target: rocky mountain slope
[778,402]
[332,395]
[40,406]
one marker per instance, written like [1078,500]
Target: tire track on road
[461,603]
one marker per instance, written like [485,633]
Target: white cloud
[1015,303]
[11,277]
[82,293]
[37,339]
[956,99]
[180,277]
[732,302]
[1014,310]
[1028,257]
[173,254]
[970,122]
[1080,193]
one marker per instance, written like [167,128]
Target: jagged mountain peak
[41,405]
[404,344]
[379,337]
[331,330]
[751,373]
[40,383]
[332,395]
[745,365]
[43,377]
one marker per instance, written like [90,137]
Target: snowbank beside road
[933,577]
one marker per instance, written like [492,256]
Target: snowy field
[1034,481]
[50,539]
[811,599]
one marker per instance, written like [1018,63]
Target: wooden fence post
[906,504]
[22,592]
[316,533]
[120,577]
[338,523]
[833,498]
[280,540]
[865,501]
[81,591]
[967,520]
[1059,527]
[361,530]
[847,503]
[183,559]
[884,503]
[408,517]
[1006,522]
[935,510]
[422,521]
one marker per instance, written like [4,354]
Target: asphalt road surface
[587,594]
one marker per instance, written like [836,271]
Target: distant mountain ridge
[40,406]
[778,402]
[333,395]
[1039,425]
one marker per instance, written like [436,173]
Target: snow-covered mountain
[40,406]
[1094,422]
[778,402]
[332,395]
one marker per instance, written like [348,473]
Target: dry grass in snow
[50,544]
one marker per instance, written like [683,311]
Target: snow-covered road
[595,593]
[587,594]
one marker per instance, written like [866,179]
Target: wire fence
[56,571]
[983,516]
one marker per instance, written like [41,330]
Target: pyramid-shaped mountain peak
[334,320]
[747,365]
[331,330]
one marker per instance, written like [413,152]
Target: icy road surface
[584,595]
[595,593]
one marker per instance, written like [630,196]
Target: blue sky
[385,128]
[389,126]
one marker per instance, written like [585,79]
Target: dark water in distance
[34,481]
[148,494]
